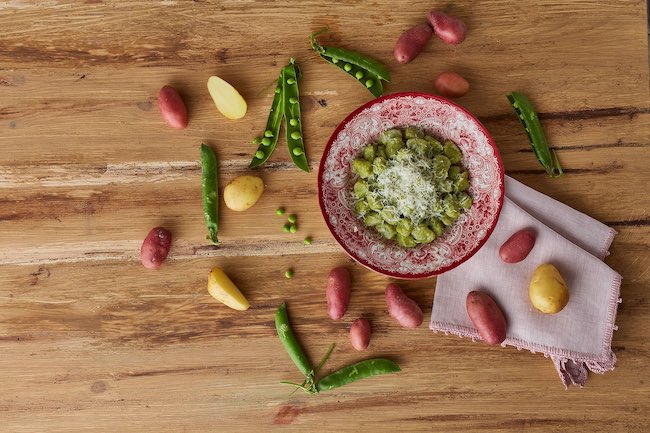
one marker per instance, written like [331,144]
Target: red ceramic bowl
[443,119]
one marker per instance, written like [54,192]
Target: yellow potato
[548,291]
[227,99]
[243,192]
[224,290]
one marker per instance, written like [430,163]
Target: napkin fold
[578,338]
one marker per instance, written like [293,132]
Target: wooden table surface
[92,341]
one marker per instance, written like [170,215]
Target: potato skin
[172,108]
[360,332]
[518,246]
[548,292]
[155,247]
[402,308]
[411,42]
[450,29]
[486,316]
[243,192]
[451,85]
[337,292]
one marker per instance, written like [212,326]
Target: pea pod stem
[273,123]
[529,119]
[293,122]
[357,371]
[210,189]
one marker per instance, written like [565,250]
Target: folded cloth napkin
[578,337]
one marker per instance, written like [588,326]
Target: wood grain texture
[91,341]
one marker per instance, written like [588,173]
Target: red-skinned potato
[360,332]
[518,246]
[450,29]
[487,317]
[155,247]
[402,308]
[451,85]
[411,42]
[172,108]
[338,292]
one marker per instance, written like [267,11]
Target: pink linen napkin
[577,338]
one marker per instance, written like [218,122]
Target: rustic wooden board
[91,341]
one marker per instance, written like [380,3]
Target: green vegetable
[307,241]
[286,228]
[210,188]
[293,228]
[272,131]
[290,76]
[288,273]
[290,343]
[357,371]
[292,218]
[354,64]
[279,211]
[536,136]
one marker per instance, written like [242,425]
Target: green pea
[361,207]
[307,241]
[359,75]
[293,100]
[293,122]
[279,211]
[372,219]
[335,61]
[268,133]
[347,67]
[288,273]
[295,135]
[360,189]
[259,154]
[292,218]
[362,167]
[404,227]
[277,90]
[291,81]
[266,141]
[293,228]
[257,141]
[369,152]
[286,228]
[297,151]
[369,83]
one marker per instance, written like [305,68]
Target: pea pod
[210,187]
[358,371]
[269,139]
[366,70]
[533,127]
[290,343]
[293,122]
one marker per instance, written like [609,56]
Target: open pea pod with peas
[368,71]
[343,376]
[285,105]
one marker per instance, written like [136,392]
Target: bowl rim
[352,254]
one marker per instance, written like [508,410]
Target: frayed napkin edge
[604,250]
[599,364]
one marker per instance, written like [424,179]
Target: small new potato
[337,292]
[224,290]
[548,292]
[243,192]
[360,334]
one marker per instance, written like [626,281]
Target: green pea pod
[364,62]
[210,187]
[267,144]
[375,87]
[290,343]
[354,372]
[293,121]
[533,127]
